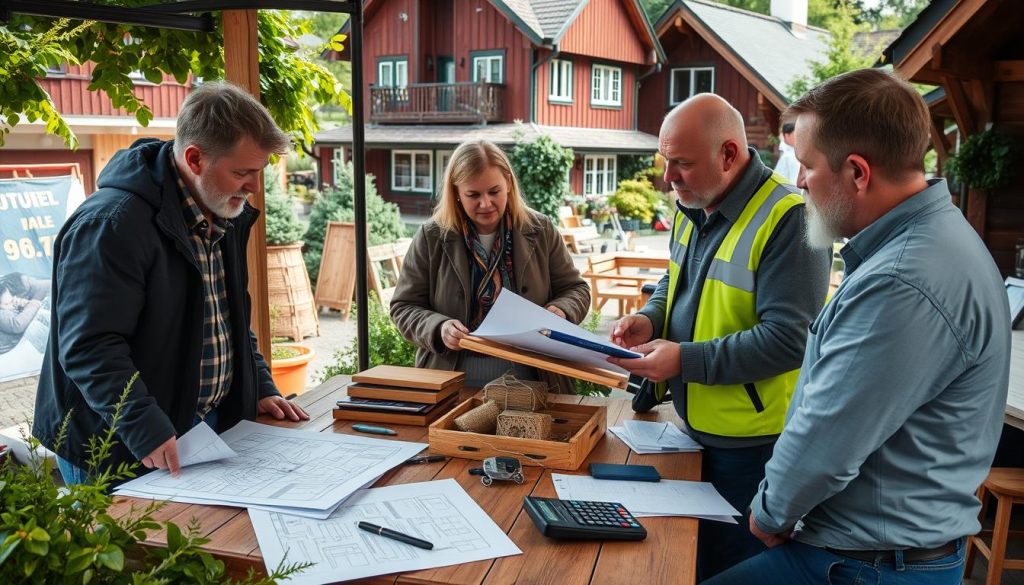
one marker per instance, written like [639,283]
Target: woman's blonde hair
[469,160]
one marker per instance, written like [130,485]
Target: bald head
[704,143]
[708,119]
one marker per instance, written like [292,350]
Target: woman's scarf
[490,272]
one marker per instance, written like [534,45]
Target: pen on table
[374,430]
[426,459]
[395,535]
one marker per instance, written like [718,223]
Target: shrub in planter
[632,202]
[283,226]
[387,346]
[541,167]
[50,535]
[384,222]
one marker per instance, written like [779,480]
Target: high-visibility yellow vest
[727,305]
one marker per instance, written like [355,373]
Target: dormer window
[689,81]
[606,86]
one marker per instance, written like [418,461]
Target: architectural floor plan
[282,467]
[440,512]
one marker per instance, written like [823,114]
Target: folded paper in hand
[516,321]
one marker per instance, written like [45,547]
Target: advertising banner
[32,211]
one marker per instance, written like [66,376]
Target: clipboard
[544,362]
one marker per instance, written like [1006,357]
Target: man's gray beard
[822,226]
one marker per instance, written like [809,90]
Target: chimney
[793,13]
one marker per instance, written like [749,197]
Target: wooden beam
[939,139]
[920,56]
[960,106]
[977,210]
[952,63]
[241,67]
[1004,71]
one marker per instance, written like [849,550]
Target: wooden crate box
[584,425]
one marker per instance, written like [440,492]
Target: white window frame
[606,85]
[398,72]
[441,159]
[412,154]
[599,172]
[489,58]
[338,163]
[560,81]
[693,82]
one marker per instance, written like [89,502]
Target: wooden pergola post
[241,67]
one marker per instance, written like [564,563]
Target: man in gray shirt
[900,401]
[730,320]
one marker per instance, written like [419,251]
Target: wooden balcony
[438,103]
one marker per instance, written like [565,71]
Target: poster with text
[32,211]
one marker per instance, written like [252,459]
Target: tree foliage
[541,167]
[387,345]
[383,220]
[986,160]
[839,57]
[291,82]
[283,226]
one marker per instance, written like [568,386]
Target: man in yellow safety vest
[725,329]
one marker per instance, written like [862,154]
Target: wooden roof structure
[972,50]
[241,67]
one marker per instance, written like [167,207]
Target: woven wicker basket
[293,313]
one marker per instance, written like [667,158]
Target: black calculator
[579,519]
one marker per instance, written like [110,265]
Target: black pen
[395,535]
[426,459]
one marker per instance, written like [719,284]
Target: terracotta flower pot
[290,373]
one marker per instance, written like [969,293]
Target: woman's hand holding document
[517,322]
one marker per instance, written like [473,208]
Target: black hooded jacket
[128,296]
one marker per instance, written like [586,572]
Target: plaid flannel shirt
[215,367]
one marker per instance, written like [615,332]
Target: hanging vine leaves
[292,84]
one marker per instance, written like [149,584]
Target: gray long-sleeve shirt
[790,288]
[900,401]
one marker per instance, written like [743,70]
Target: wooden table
[668,555]
[1015,397]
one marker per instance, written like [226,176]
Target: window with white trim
[598,174]
[561,81]
[606,86]
[689,81]
[338,163]
[412,170]
[489,68]
[393,72]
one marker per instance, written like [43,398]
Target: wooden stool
[1007,485]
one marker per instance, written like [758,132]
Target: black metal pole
[359,183]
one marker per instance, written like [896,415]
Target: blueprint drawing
[440,512]
[282,467]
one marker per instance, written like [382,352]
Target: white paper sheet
[668,497]
[621,433]
[201,444]
[664,436]
[278,466]
[516,321]
[305,512]
[440,512]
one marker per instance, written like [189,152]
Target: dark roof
[437,136]
[767,45]
[913,34]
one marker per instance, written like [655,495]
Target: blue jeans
[794,563]
[71,473]
[735,473]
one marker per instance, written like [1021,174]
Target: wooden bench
[620,276]
[574,233]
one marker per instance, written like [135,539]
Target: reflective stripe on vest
[728,304]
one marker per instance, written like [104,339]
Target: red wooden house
[746,57]
[443,71]
[101,129]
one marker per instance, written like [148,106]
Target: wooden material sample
[398,418]
[405,377]
[545,362]
[375,392]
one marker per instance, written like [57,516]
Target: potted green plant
[986,160]
[51,534]
[633,203]
[288,365]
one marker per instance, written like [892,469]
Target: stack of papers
[668,497]
[440,512]
[274,468]
[646,437]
